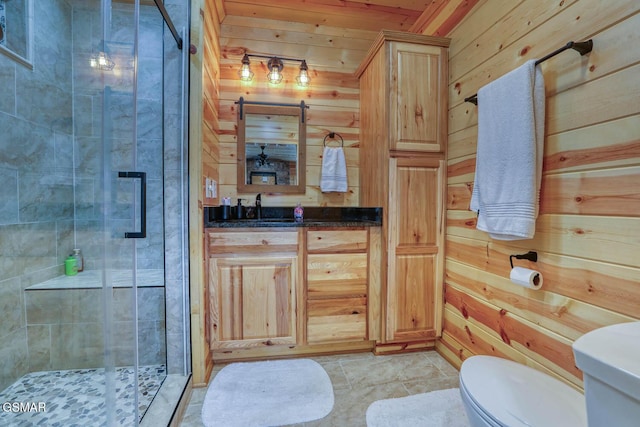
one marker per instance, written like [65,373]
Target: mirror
[16,19]
[271,148]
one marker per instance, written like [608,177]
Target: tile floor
[77,397]
[361,379]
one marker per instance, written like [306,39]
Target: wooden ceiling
[432,17]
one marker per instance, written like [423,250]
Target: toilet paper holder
[531,256]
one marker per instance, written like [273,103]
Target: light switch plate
[210,188]
[207,188]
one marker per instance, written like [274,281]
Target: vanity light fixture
[275,66]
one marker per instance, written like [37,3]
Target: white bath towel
[334,170]
[509,157]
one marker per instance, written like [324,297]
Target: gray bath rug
[272,393]
[441,408]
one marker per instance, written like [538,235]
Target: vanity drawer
[336,275]
[336,241]
[255,240]
[338,319]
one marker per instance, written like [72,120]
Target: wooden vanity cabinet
[276,292]
[403,133]
[253,280]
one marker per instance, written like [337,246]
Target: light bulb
[303,78]
[245,72]
[275,71]
[274,77]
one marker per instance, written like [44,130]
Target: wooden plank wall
[204,150]
[588,231]
[332,54]
[211,95]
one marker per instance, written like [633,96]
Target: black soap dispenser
[240,210]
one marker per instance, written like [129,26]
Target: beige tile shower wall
[65,328]
[588,228]
[332,54]
[36,168]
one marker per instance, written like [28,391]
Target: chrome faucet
[259,206]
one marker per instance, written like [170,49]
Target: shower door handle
[143,204]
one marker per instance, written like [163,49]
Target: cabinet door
[418,113]
[415,239]
[253,301]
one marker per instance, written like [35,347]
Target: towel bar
[581,47]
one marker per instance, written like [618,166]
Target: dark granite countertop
[283,217]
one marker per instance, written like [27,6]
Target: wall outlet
[214,188]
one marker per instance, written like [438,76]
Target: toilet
[610,360]
[502,393]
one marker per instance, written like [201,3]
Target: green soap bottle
[70,266]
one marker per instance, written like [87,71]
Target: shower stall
[93,156]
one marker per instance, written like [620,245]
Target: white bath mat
[273,393]
[441,408]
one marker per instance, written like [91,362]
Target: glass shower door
[135,343]
[123,190]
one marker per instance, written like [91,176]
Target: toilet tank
[609,357]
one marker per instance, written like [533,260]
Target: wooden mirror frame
[271,109]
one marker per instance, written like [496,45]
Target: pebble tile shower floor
[76,397]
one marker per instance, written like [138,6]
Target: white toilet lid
[516,395]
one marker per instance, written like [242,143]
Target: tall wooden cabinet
[403,132]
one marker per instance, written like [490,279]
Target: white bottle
[77,254]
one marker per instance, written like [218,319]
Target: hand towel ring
[333,135]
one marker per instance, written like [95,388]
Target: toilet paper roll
[525,277]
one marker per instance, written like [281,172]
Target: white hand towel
[334,170]
[510,150]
